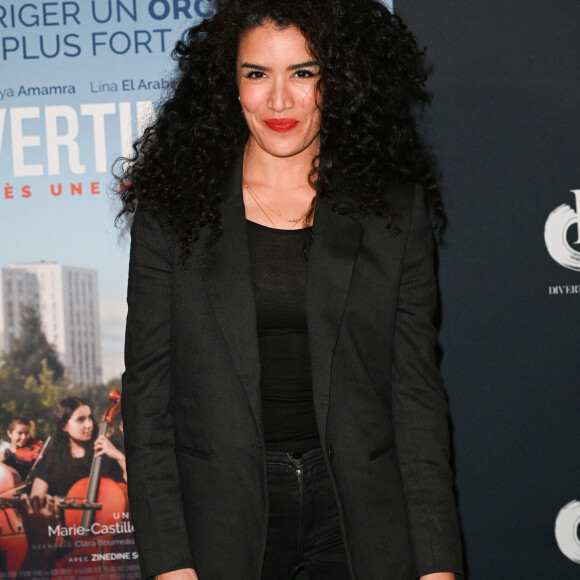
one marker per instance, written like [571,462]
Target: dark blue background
[505,123]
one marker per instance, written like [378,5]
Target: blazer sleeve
[153,477]
[420,411]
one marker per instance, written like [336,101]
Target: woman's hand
[104,446]
[183,574]
[439,576]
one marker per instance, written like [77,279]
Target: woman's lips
[281,125]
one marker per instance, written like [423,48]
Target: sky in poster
[77,79]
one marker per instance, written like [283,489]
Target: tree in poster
[32,379]
[31,347]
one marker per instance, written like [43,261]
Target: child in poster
[58,546]
[24,448]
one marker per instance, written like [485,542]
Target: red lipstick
[281,125]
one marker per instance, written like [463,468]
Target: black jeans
[304,534]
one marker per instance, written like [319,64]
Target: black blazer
[192,404]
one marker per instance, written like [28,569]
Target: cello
[91,530]
[111,494]
[13,541]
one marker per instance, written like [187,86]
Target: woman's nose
[280,98]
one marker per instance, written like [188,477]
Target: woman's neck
[277,190]
[282,174]
[76,449]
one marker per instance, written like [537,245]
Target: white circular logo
[556,234]
[568,531]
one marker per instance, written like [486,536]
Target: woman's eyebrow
[255,66]
[303,65]
[267,68]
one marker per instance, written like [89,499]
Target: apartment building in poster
[18,288]
[67,299]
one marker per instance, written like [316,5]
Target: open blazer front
[192,403]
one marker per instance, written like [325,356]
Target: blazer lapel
[331,261]
[227,279]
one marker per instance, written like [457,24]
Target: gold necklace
[258,204]
[261,204]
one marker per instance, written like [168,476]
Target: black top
[279,277]
[62,472]
[22,467]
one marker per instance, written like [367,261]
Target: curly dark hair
[371,77]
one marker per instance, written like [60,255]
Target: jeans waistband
[295,459]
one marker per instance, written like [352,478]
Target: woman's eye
[255,74]
[304,74]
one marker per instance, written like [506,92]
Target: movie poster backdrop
[504,121]
[78,81]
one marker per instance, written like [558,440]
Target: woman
[282,408]
[70,454]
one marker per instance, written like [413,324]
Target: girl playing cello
[70,454]
[67,460]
